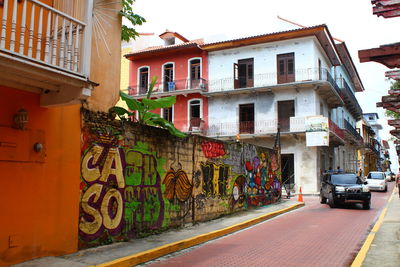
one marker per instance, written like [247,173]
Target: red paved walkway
[312,236]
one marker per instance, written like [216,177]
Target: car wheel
[331,201]
[322,199]
[367,204]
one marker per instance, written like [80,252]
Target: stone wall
[138,180]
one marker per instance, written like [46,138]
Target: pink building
[181,68]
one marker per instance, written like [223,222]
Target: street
[315,235]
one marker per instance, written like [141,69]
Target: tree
[389,113]
[143,109]
[128,32]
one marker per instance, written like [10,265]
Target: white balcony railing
[37,32]
[296,125]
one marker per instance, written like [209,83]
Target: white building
[287,79]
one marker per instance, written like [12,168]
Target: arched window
[143,80]
[195,112]
[168,77]
[195,73]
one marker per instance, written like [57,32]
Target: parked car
[377,181]
[340,188]
[390,176]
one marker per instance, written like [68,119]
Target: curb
[359,259]
[155,253]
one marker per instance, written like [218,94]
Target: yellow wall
[106,51]
[124,74]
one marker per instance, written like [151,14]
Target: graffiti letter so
[102,202]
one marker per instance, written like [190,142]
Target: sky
[349,20]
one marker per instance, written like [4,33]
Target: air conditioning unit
[171,86]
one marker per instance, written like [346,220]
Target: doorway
[285,111]
[244,73]
[246,119]
[287,163]
[285,68]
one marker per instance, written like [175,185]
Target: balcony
[352,134]
[319,79]
[46,51]
[350,100]
[372,148]
[176,87]
[292,125]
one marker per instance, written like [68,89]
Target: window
[143,80]
[168,77]
[285,111]
[167,114]
[243,72]
[246,118]
[195,73]
[285,68]
[195,113]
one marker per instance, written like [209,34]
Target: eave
[321,32]
[349,64]
[164,51]
[388,55]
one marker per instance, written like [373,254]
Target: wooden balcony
[45,51]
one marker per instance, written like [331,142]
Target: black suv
[340,188]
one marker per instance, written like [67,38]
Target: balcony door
[246,118]
[143,80]
[285,111]
[244,73]
[285,68]
[169,84]
[195,73]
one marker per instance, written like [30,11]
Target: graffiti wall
[138,180]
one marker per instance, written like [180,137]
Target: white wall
[307,51]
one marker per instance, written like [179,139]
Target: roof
[321,32]
[159,50]
[349,64]
[169,34]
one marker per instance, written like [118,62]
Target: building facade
[290,80]
[181,69]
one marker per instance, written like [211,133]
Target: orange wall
[38,201]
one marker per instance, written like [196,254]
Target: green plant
[144,107]
[391,114]
[128,32]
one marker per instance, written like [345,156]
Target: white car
[377,181]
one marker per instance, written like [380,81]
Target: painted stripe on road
[367,244]
[155,253]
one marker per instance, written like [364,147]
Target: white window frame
[162,73]
[138,77]
[173,113]
[201,68]
[188,108]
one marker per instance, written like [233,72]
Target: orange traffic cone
[300,198]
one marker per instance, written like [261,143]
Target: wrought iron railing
[349,128]
[336,130]
[170,86]
[348,93]
[40,33]
[372,147]
[271,79]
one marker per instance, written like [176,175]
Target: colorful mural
[133,183]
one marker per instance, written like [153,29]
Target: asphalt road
[315,235]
